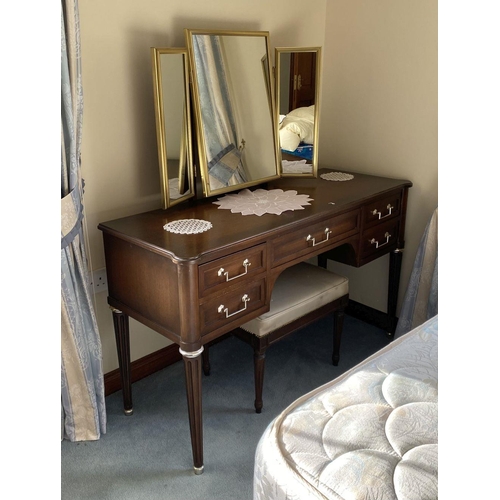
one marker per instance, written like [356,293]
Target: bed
[372,433]
[296,132]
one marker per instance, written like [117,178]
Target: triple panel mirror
[251,125]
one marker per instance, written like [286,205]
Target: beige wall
[119,154]
[379,113]
[378,110]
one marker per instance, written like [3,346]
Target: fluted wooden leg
[192,369]
[122,335]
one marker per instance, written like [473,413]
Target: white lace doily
[262,201]
[296,167]
[337,176]
[187,226]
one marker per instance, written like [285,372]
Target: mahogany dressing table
[172,282]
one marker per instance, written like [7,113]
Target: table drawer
[237,267]
[380,238]
[235,305]
[314,238]
[383,209]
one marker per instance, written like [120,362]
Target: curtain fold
[82,380]
[421,298]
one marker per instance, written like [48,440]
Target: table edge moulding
[227,273]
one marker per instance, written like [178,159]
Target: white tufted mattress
[370,434]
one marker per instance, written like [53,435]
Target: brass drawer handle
[310,238]
[373,241]
[389,207]
[244,299]
[221,271]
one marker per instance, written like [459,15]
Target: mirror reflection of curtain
[217,114]
[82,381]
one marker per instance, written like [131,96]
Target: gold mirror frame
[298,125]
[173,124]
[247,154]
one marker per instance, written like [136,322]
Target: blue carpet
[148,455]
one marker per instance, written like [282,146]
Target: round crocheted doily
[337,176]
[187,226]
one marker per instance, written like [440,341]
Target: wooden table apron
[173,283]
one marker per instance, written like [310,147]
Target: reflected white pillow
[289,140]
[297,127]
[302,129]
[306,113]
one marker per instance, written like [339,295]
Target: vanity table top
[228,229]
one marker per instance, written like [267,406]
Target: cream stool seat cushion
[299,290]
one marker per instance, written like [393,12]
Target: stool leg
[206,360]
[338,323]
[259,358]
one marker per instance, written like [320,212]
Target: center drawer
[314,238]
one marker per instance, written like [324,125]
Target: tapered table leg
[259,359]
[206,361]
[338,324]
[122,335]
[395,260]
[192,369]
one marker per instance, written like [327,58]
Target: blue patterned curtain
[82,382]
[421,298]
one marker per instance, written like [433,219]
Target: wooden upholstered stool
[302,294]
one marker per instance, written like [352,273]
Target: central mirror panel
[298,73]
[234,108]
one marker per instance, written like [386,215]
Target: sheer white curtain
[421,298]
[82,382]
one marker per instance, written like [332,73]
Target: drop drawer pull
[376,243]
[310,238]
[221,271]
[244,299]
[389,207]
